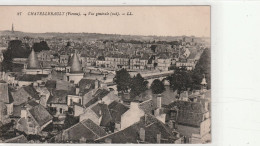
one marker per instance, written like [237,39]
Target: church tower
[12,28]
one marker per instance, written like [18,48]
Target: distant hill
[94,36]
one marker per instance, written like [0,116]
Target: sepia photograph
[105,74]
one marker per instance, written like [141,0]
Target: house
[25,94]
[28,79]
[191,119]
[85,131]
[135,62]
[88,59]
[44,94]
[116,110]
[58,102]
[85,85]
[117,61]
[66,86]
[33,120]
[6,97]
[44,55]
[101,94]
[146,130]
[163,62]
[64,59]
[101,61]
[144,61]
[134,113]
[101,113]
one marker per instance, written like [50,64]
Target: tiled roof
[98,95]
[131,134]
[31,78]
[117,110]
[85,129]
[94,127]
[58,96]
[147,106]
[30,90]
[32,103]
[189,113]
[18,139]
[17,110]
[50,84]
[105,113]
[86,85]
[40,114]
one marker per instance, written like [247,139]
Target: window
[61,110]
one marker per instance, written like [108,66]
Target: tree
[181,80]
[38,47]
[15,49]
[69,121]
[122,80]
[138,85]
[202,68]
[157,87]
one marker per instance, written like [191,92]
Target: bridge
[150,77]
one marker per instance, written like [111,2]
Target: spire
[75,64]
[12,27]
[33,61]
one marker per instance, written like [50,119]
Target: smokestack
[142,134]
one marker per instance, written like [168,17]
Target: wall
[89,114]
[205,127]
[131,116]
[188,130]
[78,110]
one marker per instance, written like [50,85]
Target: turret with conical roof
[75,64]
[33,62]
[203,82]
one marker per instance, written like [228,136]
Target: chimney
[159,101]
[142,134]
[170,123]
[100,112]
[77,90]
[206,105]
[158,138]
[96,84]
[24,113]
[134,105]
[108,140]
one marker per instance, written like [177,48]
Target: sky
[146,20]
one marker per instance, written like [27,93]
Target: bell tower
[12,28]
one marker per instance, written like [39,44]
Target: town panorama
[104,88]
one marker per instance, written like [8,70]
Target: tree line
[181,80]
[18,49]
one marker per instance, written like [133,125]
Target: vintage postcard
[105,74]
